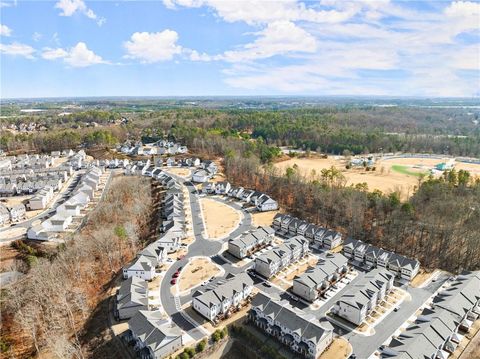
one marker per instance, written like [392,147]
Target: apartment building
[303,335]
[248,243]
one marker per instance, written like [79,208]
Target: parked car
[173,281]
[175,275]
[267,284]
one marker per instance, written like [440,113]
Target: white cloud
[70,7]
[36,36]
[262,12]
[78,56]
[152,47]
[5,30]
[17,49]
[52,54]
[278,38]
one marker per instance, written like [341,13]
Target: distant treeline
[327,129]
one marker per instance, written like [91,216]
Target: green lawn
[404,170]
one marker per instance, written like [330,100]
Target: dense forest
[59,308]
[330,129]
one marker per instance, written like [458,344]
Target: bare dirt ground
[421,277]
[182,172]
[220,219]
[195,272]
[339,349]
[8,257]
[263,218]
[384,178]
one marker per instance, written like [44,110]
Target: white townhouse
[269,263]
[131,297]
[302,334]
[402,267]
[200,176]
[250,242]
[218,302]
[439,329]
[4,215]
[315,281]
[152,336]
[142,268]
[358,301]
[265,203]
[41,199]
[17,212]
[222,187]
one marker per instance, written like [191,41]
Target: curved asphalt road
[200,247]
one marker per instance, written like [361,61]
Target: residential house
[248,243]
[315,281]
[332,239]
[269,263]
[300,333]
[131,297]
[4,215]
[17,212]
[200,176]
[153,337]
[142,268]
[222,187]
[360,299]
[265,203]
[221,300]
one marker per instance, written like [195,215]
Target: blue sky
[216,47]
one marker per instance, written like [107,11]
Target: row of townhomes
[287,225]
[226,298]
[171,232]
[262,201]
[29,180]
[205,171]
[315,281]
[439,329]
[363,253]
[360,299]
[301,334]
[151,335]
[161,147]
[112,163]
[277,258]
[41,199]
[132,296]
[249,242]
[180,162]
[11,214]
[65,213]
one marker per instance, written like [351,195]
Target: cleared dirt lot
[195,272]
[182,172]
[263,218]
[220,219]
[395,174]
[339,349]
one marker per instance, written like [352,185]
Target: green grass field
[404,170]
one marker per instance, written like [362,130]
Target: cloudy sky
[239,47]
